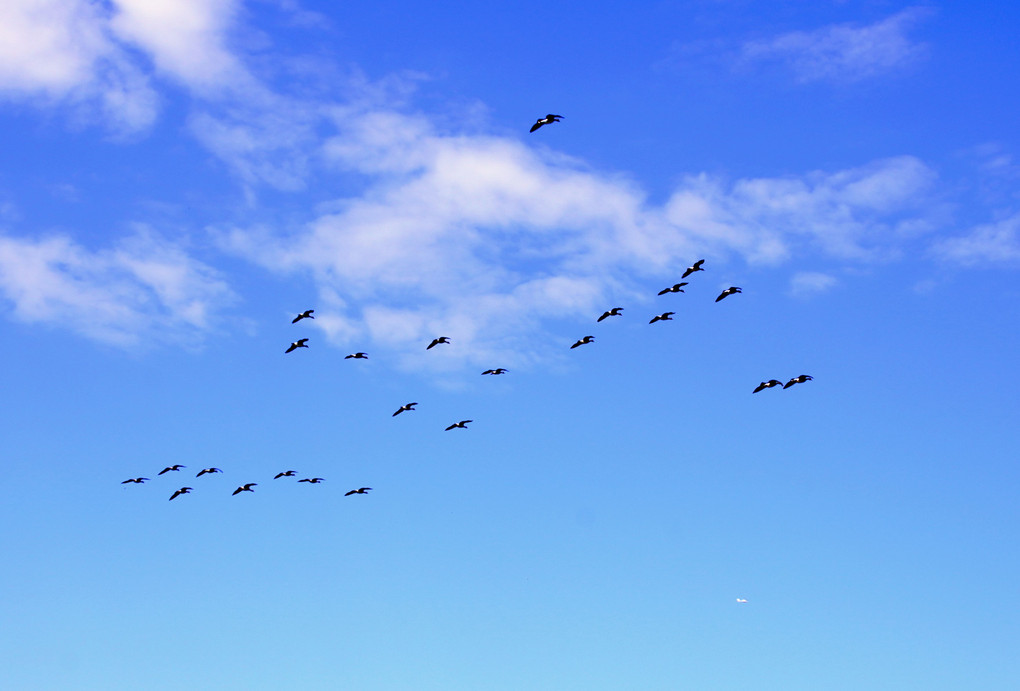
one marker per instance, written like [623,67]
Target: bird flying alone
[286,473]
[732,290]
[356,356]
[547,120]
[360,490]
[404,408]
[675,288]
[498,370]
[460,425]
[798,380]
[208,470]
[586,339]
[696,266]
[136,480]
[245,488]
[174,467]
[664,317]
[313,480]
[182,490]
[742,600]
[300,343]
[615,312]
[307,314]
[767,385]
[437,341]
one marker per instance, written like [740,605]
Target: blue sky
[180,179]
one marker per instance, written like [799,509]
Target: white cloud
[143,287]
[843,52]
[991,243]
[807,283]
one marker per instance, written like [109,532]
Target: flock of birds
[441,340]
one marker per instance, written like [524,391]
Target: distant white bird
[741,600]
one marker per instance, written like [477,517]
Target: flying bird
[462,425]
[798,380]
[300,343]
[732,290]
[586,339]
[360,490]
[182,490]
[547,120]
[286,473]
[174,467]
[307,314]
[245,488]
[664,317]
[741,599]
[136,480]
[675,288]
[404,408]
[696,266]
[208,470]
[356,356]
[767,385]
[498,370]
[313,480]
[615,312]
[437,341]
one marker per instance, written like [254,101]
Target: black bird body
[356,356]
[675,288]
[208,470]
[136,480]
[547,120]
[175,467]
[664,317]
[246,488]
[767,385]
[615,312]
[313,480]
[404,408]
[459,425]
[696,266]
[732,290]
[286,473]
[798,380]
[182,490]
[300,343]
[360,490]
[307,314]
[437,341]
[583,341]
[498,370]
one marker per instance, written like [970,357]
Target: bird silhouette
[208,470]
[732,290]
[664,317]
[586,339]
[182,490]
[767,385]
[360,490]
[696,266]
[498,370]
[356,356]
[300,343]
[798,380]
[404,408]
[461,425]
[175,467]
[615,312]
[286,473]
[307,314]
[245,488]
[136,480]
[437,341]
[675,288]
[547,120]
[313,480]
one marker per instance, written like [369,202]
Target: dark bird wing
[537,124]
[664,291]
[450,427]
[238,490]
[760,387]
[604,315]
[293,346]
[165,470]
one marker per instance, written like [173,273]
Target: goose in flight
[286,473]
[615,312]
[360,490]
[300,343]
[664,317]
[175,467]
[798,380]
[136,480]
[182,490]
[356,356]
[767,385]
[437,341]
[307,314]
[586,339]
[460,425]
[732,290]
[313,480]
[498,370]
[208,470]
[675,288]
[547,120]
[245,488]
[696,266]
[404,408]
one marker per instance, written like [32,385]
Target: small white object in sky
[740,599]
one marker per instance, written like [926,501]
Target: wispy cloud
[843,52]
[808,283]
[988,244]
[144,288]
